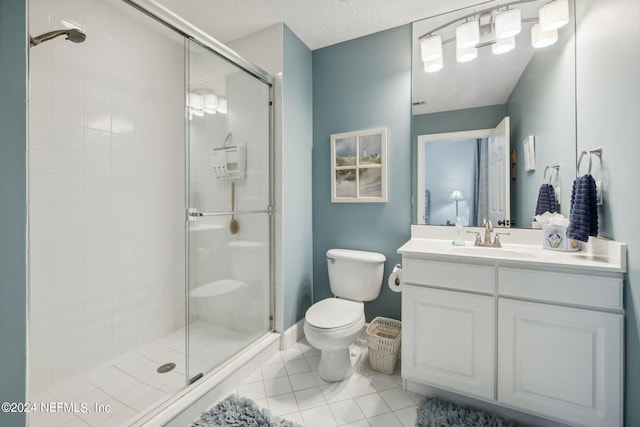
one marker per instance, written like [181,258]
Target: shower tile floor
[290,387]
[130,384]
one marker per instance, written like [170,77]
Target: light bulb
[431,48]
[210,101]
[554,15]
[222,105]
[508,23]
[466,55]
[195,101]
[503,45]
[541,38]
[433,65]
[468,35]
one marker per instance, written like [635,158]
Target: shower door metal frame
[193,34]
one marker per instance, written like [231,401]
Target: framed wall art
[359,166]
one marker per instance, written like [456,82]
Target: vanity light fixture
[210,103]
[222,105]
[433,65]
[196,107]
[468,34]
[467,54]
[554,15]
[503,45]
[508,23]
[206,102]
[499,25]
[431,48]
[541,38]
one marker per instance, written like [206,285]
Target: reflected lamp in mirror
[468,34]
[495,26]
[456,196]
[431,52]
[554,15]
[206,102]
[503,45]
[508,23]
[540,39]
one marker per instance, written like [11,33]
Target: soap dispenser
[458,239]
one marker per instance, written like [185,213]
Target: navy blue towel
[546,200]
[583,219]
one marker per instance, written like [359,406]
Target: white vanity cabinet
[450,342]
[559,360]
[542,337]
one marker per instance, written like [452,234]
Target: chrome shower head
[73,34]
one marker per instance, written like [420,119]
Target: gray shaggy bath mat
[434,412]
[236,411]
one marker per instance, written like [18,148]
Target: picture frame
[529,145]
[359,166]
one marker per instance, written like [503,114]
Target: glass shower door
[229,219]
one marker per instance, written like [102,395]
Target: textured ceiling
[488,80]
[318,23]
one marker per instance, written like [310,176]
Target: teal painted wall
[13,194]
[297,141]
[608,87]
[450,121]
[362,84]
[543,104]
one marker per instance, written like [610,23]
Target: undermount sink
[493,252]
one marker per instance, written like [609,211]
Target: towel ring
[596,151]
[548,168]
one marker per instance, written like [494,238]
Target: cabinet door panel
[562,362]
[448,340]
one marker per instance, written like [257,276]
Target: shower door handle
[193,214]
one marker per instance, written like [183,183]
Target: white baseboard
[292,335]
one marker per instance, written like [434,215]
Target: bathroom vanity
[525,328]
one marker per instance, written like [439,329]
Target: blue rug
[236,411]
[434,412]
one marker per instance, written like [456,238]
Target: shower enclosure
[146,143]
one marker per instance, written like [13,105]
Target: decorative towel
[583,219]
[546,200]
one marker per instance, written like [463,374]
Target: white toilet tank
[355,275]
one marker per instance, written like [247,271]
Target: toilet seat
[334,313]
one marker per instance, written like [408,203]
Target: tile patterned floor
[130,384]
[290,387]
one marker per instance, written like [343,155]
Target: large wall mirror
[467,94]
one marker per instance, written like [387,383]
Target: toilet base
[335,365]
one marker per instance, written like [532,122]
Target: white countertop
[597,255]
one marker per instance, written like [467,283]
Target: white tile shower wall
[106,187]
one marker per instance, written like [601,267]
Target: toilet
[333,324]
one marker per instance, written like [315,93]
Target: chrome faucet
[488,228]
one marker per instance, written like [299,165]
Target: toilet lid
[334,313]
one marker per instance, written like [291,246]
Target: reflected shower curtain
[480,206]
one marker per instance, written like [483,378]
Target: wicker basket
[383,337]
